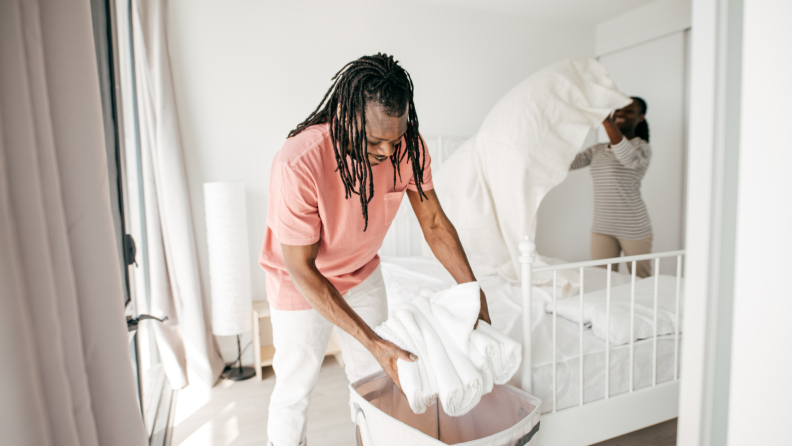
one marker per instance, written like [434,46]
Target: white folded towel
[502,353]
[417,378]
[483,365]
[463,401]
[455,363]
[457,309]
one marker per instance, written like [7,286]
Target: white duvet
[492,186]
[595,314]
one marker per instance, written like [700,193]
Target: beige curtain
[67,378]
[189,350]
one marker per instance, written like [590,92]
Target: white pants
[300,339]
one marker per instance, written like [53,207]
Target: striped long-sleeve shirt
[617,172]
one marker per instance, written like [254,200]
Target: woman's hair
[642,129]
[380,79]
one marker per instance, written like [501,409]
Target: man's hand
[484,312]
[386,353]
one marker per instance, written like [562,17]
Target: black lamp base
[240,373]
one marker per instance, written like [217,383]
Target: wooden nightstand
[264,351]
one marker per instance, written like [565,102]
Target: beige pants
[607,247]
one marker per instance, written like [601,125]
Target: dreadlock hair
[642,129]
[378,79]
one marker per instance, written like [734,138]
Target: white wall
[649,22]
[655,70]
[246,72]
[761,366]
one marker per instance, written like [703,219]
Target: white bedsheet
[407,276]
[595,313]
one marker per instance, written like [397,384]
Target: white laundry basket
[505,417]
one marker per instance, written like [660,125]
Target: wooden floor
[663,434]
[235,414]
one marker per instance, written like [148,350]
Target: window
[116,64]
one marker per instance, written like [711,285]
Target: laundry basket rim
[532,418]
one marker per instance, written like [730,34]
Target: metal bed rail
[527,250]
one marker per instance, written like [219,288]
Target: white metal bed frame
[612,416]
[585,423]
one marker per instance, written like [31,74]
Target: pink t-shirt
[307,204]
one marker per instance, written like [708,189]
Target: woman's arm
[629,154]
[442,237]
[582,159]
[614,134]
[324,298]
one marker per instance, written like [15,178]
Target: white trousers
[300,339]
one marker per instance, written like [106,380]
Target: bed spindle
[676,324]
[632,329]
[555,299]
[394,242]
[527,248]
[654,339]
[607,332]
[408,229]
[581,336]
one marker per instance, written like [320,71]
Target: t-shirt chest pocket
[391,205]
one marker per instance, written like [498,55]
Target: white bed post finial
[527,248]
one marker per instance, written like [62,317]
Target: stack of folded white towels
[455,363]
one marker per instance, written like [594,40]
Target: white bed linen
[405,277]
[491,187]
[595,314]
[443,368]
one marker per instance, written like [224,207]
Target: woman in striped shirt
[621,222]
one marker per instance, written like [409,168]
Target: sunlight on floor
[235,413]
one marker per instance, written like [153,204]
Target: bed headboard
[404,237]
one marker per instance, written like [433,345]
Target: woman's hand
[387,353]
[484,312]
[614,134]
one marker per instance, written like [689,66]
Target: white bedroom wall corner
[711,220]
[643,24]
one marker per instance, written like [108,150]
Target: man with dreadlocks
[335,188]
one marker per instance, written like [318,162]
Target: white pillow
[595,315]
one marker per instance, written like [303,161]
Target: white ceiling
[588,12]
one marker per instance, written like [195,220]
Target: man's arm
[324,297]
[442,237]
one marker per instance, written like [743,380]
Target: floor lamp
[229,266]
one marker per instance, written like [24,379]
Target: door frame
[716,60]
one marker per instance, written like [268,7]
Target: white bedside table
[264,351]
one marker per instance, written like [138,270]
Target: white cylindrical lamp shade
[229,268]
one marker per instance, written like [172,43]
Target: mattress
[405,277]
